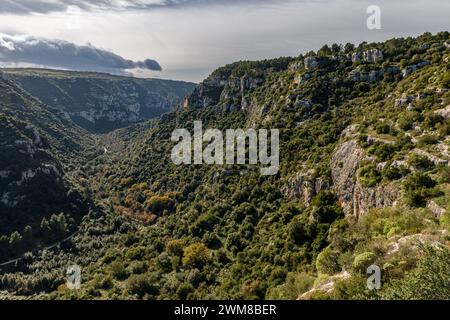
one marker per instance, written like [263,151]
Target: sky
[188,39]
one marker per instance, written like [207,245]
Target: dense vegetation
[159,231]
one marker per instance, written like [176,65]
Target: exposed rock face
[327,286]
[378,197]
[305,186]
[406,99]
[301,78]
[100,102]
[355,199]
[207,93]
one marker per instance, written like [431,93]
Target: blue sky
[190,38]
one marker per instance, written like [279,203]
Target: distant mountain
[101,102]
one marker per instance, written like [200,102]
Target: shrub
[184,290]
[164,262]
[445,220]
[204,223]
[103,282]
[407,120]
[354,287]
[137,267]
[433,120]
[444,175]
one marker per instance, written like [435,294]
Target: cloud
[48,6]
[16,50]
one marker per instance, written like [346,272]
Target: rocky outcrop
[355,199]
[432,158]
[369,76]
[228,92]
[304,186]
[326,286]
[408,99]
[375,75]
[101,102]
[436,209]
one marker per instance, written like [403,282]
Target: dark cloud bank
[66,55]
